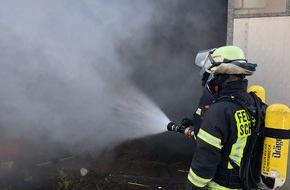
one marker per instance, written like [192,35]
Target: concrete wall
[265,38]
[266,41]
[262,30]
[259,6]
[254,9]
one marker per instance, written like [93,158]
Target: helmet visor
[202,60]
[201,57]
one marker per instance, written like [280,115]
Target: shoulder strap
[242,101]
[250,165]
[247,176]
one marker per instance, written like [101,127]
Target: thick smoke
[61,80]
[163,58]
[90,74]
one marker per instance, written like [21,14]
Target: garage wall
[264,36]
[266,41]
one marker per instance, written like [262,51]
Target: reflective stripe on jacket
[223,134]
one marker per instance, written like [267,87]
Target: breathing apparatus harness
[251,170]
[250,166]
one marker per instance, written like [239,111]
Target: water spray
[187,131]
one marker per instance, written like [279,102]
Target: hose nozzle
[180,129]
[173,127]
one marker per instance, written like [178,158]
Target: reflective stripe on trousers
[214,185]
[197,180]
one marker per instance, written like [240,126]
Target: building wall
[266,41]
[246,7]
[254,9]
[262,30]
[264,37]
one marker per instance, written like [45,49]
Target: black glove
[186,122]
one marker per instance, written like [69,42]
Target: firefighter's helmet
[227,53]
[224,60]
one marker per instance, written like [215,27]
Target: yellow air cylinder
[275,150]
[259,90]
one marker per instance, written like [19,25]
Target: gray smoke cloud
[60,76]
[90,74]
[165,53]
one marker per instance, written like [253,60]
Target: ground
[155,162]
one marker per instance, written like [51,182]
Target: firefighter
[226,126]
[204,102]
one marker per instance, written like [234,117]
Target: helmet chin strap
[215,84]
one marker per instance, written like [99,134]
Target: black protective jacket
[223,135]
[205,101]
